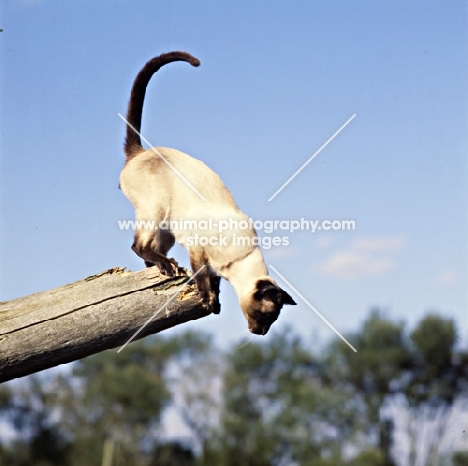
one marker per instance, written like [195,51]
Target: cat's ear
[287,298]
[271,292]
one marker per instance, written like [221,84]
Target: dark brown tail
[135,106]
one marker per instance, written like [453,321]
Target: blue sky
[276,80]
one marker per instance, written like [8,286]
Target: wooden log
[100,312]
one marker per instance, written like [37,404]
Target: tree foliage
[274,403]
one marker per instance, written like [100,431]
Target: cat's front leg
[206,280]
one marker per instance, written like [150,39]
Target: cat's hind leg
[152,245]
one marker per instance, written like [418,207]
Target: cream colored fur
[158,193]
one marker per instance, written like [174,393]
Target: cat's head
[262,306]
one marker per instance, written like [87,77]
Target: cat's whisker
[239,335]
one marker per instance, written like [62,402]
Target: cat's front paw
[210,301]
[166,266]
[182,271]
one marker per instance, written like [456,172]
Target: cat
[165,185]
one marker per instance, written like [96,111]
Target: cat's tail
[132,143]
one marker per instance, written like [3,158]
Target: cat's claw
[166,266]
[210,301]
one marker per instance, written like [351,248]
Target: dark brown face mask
[266,306]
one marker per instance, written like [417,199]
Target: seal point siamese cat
[152,181]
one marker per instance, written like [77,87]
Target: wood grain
[97,313]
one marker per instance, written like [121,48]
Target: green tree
[438,383]
[460,458]
[421,371]
[276,409]
[65,417]
[120,396]
[437,376]
[369,457]
[108,396]
[27,408]
[171,454]
[371,374]
[195,382]
[378,367]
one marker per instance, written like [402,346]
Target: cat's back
[171,172]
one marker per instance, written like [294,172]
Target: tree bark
[100,312]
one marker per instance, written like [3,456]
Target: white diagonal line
[165,160]
[162,307]
[308,161]
[315,310]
